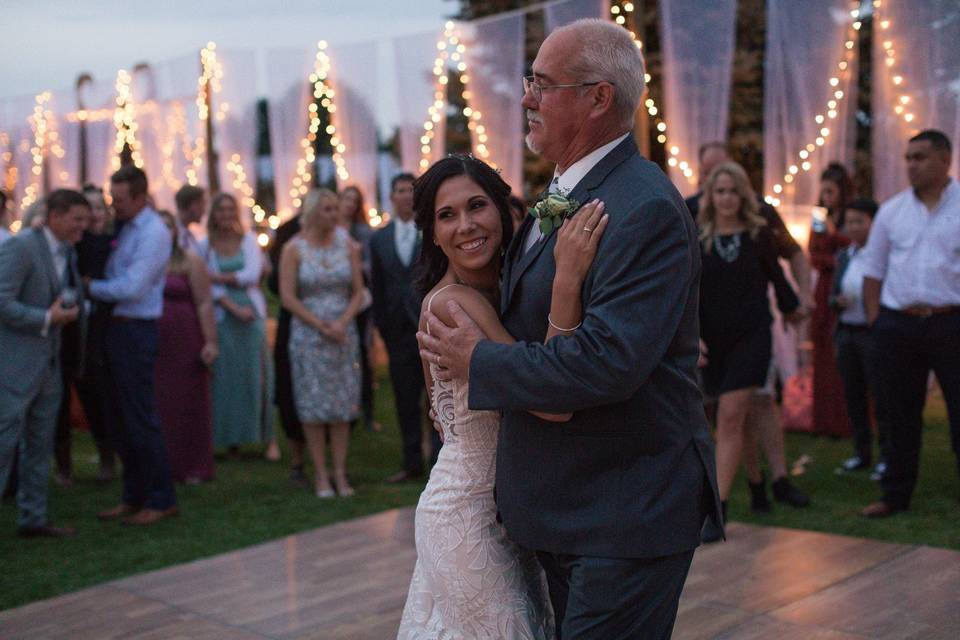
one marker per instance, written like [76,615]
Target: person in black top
[283,383]
[739,261]
[762,428]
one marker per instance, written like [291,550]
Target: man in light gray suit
[613,500]
[40,292]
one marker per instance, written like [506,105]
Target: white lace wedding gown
[470,581]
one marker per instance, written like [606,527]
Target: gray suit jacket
[632,474]
[28,286]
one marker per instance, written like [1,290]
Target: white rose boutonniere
[552,210]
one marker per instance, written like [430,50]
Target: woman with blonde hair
[187,349]
[739,261]
[240,374]
[321,284]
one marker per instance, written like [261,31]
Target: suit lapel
[581,193]
[47,259]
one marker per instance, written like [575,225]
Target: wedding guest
[34,216]
[911,294]
[829,406]
[188,348]
[133,284]
[855,348]
[396,312]
[353,218]
[762,428]
[240,378]
[92,383]
[321,284]
[739,261]
[283,385]
[191,204]
[36,267]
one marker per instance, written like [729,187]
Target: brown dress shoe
[879,509]
[150,516]
[46,531]
[117,512]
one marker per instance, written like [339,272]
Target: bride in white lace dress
[470,580]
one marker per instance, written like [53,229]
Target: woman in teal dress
[240,373]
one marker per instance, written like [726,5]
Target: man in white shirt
[911,294]
[856,351]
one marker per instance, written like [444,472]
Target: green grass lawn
[251,501]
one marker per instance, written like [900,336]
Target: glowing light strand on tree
[619,13]
[125,122]
[802,163]
[451,51]
[903,105]
[46,142]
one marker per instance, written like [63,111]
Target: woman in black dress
[739,261]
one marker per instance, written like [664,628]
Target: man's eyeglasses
[536,89]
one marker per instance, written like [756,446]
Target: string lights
[125,121]
[903,105]
[619,12]
[451,51]
[46,141]
[802,163]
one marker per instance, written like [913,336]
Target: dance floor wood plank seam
[348,582]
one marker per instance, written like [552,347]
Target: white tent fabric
[16,124]
[697,41]
[924,36]
[236,124]
[288,72]
[557,14]
[495,63]
[414,56]
[354,79]
[797,89]
[98,97]
[63,157]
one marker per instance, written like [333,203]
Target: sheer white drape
[63,159]
[414,56]
[495,57]
[98,98]
[697,42]
[236,130]
[288,73]
[805,43]
[16,124]
[355,83]
[557,14]
[925,37]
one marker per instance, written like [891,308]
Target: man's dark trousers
[131,350]
[857,361]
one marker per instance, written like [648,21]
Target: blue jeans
[131,351]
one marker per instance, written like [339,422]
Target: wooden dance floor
[349,581]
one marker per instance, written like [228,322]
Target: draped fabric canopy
[495,63]
[236,124]
[805,43]
[355,82]
[697,43]
[557,14]
[414,57]
[924,37]
[97,96]
[288,71]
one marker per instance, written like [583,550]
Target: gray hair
[608,54]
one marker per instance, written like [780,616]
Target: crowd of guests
[161,335]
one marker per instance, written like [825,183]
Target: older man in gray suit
[40,292]
[613,500]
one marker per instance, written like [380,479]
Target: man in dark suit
[613,500]
[396,312]
[283,382]
[40,293]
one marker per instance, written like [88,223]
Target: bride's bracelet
[550,320]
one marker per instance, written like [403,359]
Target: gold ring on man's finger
[588,229]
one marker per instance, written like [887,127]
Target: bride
[470,581]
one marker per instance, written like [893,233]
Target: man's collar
[52,240]
[575,172]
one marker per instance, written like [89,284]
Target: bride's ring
[438,361]
[588,229]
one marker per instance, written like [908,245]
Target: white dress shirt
[58,251]
[566,181]
[405,237]
[851,288]
[916,251]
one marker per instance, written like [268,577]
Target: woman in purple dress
[187,348]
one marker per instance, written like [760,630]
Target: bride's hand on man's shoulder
[578,239]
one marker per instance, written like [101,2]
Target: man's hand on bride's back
[577,242]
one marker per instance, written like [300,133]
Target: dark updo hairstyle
[838,175]
[432,263]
